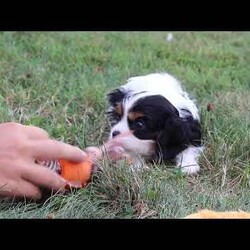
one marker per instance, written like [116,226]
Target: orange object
[210,214]
[78,174]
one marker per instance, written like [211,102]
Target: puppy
[160,121]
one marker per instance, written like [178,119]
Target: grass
[58,81]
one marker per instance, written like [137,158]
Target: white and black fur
[164,121]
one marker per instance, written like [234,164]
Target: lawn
[58,81]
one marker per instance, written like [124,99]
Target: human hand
[20,146]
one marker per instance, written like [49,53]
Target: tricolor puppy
[160,120]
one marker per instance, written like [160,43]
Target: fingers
[21,189]
[42,176]
[52,149]
[36,133]
[31,132]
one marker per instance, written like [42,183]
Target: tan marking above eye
[132,116]
[119,109]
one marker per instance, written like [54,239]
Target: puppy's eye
[139,125]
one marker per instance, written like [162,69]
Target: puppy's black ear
[177,134]
[115,96]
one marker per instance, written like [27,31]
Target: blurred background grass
[58,81]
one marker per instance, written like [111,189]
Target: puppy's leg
[134,161]
[187,160]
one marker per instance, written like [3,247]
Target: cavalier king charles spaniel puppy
[153,117]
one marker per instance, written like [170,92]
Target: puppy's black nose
[115,133]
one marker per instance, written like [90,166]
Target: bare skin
[20,146]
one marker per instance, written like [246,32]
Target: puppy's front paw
[94,152]
[116,153]
[190,169]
